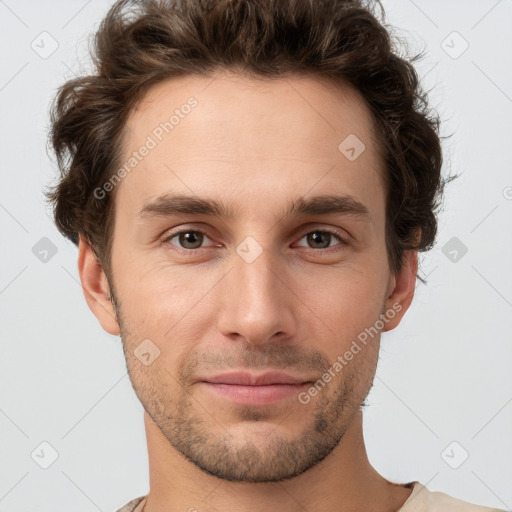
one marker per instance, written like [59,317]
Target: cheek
[163,296]
[347,301]
[170,311]
[346,309]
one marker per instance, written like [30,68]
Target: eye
[321,239]
[190,239]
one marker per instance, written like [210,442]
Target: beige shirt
[420,500]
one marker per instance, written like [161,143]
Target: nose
[258,301]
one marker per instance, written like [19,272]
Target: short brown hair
[140,43]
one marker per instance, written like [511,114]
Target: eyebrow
[167,205]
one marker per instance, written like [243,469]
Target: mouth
[244,388]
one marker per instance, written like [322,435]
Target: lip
[249,379]
[248,389]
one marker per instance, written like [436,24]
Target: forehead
[232,134]
[291,106]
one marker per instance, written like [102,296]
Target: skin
[255,145]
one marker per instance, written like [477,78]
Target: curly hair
[142,42]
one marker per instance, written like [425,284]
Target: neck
[344,480]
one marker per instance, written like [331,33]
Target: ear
[401,290]
[95,287]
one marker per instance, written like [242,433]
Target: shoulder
[134,505]
[424,500]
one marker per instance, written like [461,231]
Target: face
[248,240]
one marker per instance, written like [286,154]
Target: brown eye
[191,239]
[320,239]
[187,239]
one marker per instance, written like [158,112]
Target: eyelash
[342,241]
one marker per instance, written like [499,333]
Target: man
[217,145]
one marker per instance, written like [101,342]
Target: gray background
[443,390]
